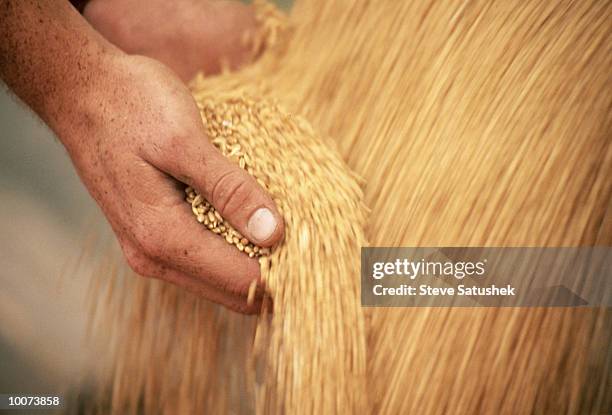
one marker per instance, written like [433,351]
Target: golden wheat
[474,124]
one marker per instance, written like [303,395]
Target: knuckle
[173,141]
[164,146]
[168,146]
[148,240]
[231,192]
[138,262]
[152,247]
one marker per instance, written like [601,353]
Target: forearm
[50,57]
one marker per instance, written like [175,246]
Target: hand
[186,35]
[141,138]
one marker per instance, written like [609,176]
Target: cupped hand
[185,35]
[140,139]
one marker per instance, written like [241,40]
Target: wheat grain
[475,124]
[205,213]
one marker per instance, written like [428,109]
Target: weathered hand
[135,136]
[140,138]
[186,35]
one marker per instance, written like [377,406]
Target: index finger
[189,247]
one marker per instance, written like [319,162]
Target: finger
[178,241]
[231,190]
[235,302]
[165,231]
[240,304]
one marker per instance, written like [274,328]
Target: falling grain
[475,124]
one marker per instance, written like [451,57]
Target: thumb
[241,201]
[233,192]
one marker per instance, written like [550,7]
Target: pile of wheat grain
[473,123]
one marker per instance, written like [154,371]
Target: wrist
[75,110]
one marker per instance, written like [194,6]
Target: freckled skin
[132,129]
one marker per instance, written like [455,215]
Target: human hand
[186,35]
[141,137]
